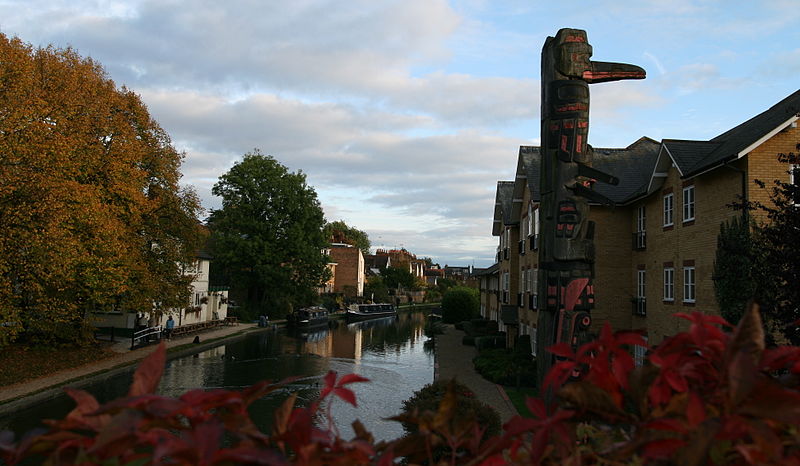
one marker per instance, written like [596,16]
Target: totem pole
[566,248]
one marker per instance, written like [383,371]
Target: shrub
[502,367]
[489,341]
[460,303]
[459,325]
[430,397]
[468,340]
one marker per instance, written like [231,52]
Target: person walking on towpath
[170,325]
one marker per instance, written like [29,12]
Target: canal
[391,352]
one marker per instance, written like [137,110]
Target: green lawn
[21,362]
[517,397]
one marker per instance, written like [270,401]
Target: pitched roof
[693,157]
[633,165]
[477,272]
[502,206]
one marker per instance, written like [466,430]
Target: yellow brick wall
[612,262]
[762,164]
[685,241]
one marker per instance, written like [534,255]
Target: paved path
[124,356]
[454,360]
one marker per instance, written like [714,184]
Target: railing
[639,307]
[639,241]
[146,336]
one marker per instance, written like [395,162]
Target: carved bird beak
[603,71]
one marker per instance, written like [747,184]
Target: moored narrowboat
[315,316]
[358,312]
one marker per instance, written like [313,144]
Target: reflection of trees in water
[396,334]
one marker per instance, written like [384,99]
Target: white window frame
[669,284]
[522,282]
[669,209]
[533,341]
[506,281]
[530,219]
[641,283]
[688,203]
[641,219]
[536,221]
[689,284]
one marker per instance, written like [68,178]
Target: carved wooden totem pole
[566,249]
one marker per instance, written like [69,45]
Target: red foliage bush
[704,397]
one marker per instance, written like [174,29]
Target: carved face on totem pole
[566,253]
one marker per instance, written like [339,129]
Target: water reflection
[388,351]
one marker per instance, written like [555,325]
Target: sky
[405,113]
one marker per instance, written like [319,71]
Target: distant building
[401,259]
[432,276]
[349,271]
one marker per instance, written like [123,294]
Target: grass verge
[517,397]
[22,363]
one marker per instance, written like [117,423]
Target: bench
[196,327]
[231,320]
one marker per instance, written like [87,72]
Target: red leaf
[148,374]
[351,378]
[675,381]
[672,425]
[536,407]
[346,394]
[662,449]
[695,411]
[330,379]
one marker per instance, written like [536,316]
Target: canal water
[388,351]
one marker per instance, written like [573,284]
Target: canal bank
[31,392]
[452,359]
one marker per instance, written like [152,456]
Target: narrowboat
[307,317]
[358,312]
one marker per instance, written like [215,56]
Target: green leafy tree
[268,238]
[340,232]
[776,252]
[460,303]
[733,268]
[395,277]
[376,289]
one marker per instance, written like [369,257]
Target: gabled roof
[633,165]
[502,206]
[693,157]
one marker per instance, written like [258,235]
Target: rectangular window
[640,283]
[536,221]
[688,284]
[688,203]
[640,219]
[794,180]
[522,282]
[668,207]
[669,284]
[530,219]
[505,282]
[524,229]
[533,341]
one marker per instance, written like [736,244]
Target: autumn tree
[268,237]
[340,232]
[92,216]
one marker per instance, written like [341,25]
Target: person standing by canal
[170,325]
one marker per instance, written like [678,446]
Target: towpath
[454,360]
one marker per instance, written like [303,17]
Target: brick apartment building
[655,249]
[349,269]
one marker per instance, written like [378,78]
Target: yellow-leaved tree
[92,214]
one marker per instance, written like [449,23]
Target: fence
[146,336]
